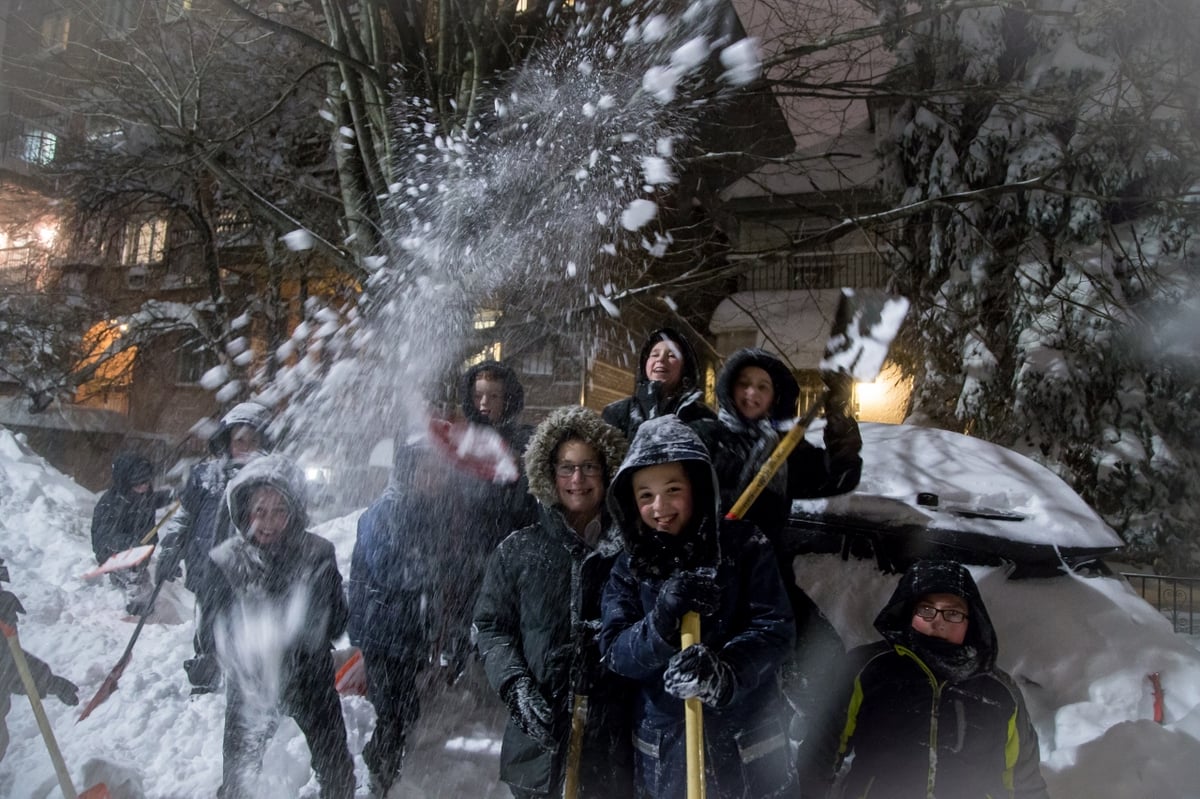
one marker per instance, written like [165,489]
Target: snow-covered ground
[1080,647]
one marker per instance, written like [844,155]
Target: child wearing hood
[667,381]
[757,397]
[929,712]
[201,521]
[123,515]
[681,555]
[538,616]
[275,607]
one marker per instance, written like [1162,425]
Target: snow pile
[1081,649]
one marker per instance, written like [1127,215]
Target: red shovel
[476,449]
[99,791]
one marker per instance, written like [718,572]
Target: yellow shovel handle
[154,530]
[39,712]
[693,715]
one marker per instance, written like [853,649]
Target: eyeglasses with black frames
[567,469]
[951,615]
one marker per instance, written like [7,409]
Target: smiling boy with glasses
[928,713]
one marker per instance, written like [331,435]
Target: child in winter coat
[123,515]
[202,522]
[667,381]
[680,556]
[538,616]
[928,712]
[275,607]
[406,587]
[46,681]
[757,395]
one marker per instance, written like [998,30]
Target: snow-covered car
[1078,639]
[928,492]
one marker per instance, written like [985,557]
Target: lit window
[488,353]
[486,319]
[145,242]
[40,146]
[56,31]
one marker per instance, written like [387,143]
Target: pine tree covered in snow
[1041,296]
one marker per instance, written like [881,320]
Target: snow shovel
[109,686]
[99,791]
[863,329]
[477,449]
[134,556]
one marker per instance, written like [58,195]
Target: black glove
[841,392]
[698,672]
[66,691]
[203,671]
[10,606]
[684,591]
[530,710]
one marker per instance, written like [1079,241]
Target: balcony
[817,270]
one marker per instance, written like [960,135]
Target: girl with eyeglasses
[538,615]
[926,711]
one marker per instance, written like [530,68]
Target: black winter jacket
[499,508]
[538,615]
[648,401]
[202,520]
[926,718]
[122,516]
[739,446]
[752,631]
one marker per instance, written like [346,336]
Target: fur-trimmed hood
[564,424]
[787,390]
[651,554]
[278,472]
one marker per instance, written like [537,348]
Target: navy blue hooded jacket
[752,630]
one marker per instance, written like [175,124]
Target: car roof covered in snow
[947,488]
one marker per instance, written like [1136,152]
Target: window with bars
[145,242]
[56,31]
[39,146]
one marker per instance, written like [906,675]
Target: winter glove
[531,712]
[66,691]
[170,557]
[10,606]
[698,672]
[841,392]
[203,671]
[682,592]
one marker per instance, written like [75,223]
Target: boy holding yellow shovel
[681,556]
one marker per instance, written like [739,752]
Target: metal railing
[1177,598]
[817,270]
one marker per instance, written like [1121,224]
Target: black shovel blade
[864,325]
